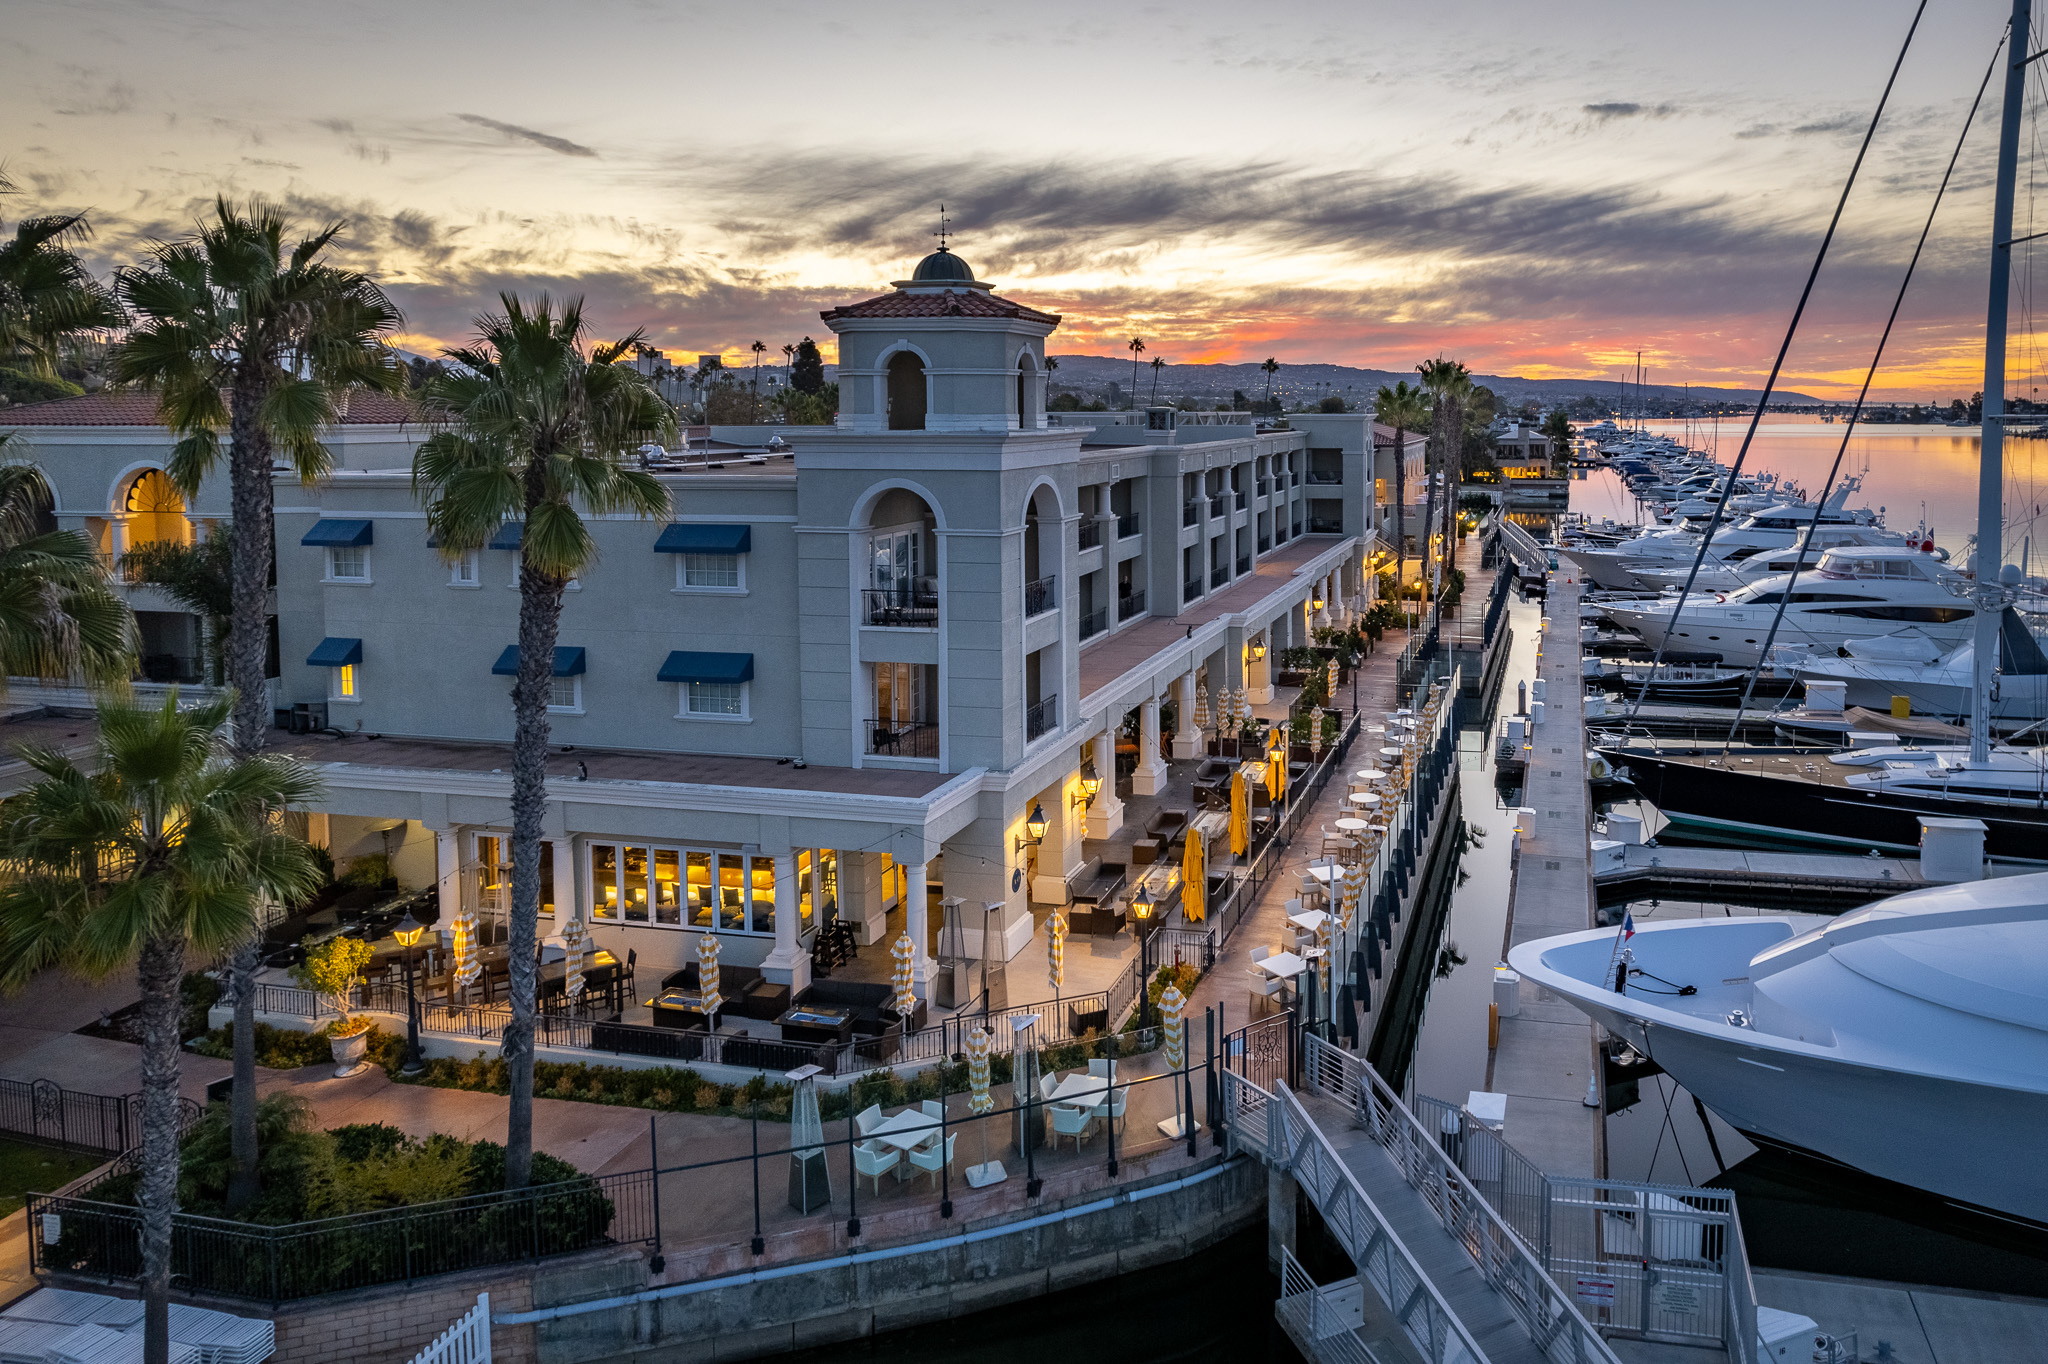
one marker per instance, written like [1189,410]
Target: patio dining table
[906,1131]
[1079,1090]
[1283,965]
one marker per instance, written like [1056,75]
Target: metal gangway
[1461,1281]
[1531,559]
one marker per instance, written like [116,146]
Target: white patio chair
[1112,1108]
[931,1160]
[875,1159]
[1047,1083]
[867,1119]
[1069,1122]
[932,1109]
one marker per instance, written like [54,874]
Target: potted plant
[333,970]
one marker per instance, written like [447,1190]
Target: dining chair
[931,1159]
[932,1108]
[867,1119]
[1068,1121]
[875,1159]
[1047,1083]
[1111,1109]
[1103,1069]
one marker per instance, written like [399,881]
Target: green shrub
[367,872]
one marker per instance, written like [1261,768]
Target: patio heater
[810,1183]
[1024,1088]
[408,932]
[954,983]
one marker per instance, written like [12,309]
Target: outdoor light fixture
[1141,904]
[408,931]
[1090,783]
[1034,826]
[1258,649]
[1319,602]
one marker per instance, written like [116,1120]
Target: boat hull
[1755,804]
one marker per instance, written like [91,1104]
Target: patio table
[1369,774]
[1324,871]
[1352,825]
[1079,1090]
[905,1131]
[1392,752]
[1363,799]
[1307,920]
[1283,965]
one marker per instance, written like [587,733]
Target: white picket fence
[468,1341]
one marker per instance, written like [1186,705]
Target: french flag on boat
[1628,925]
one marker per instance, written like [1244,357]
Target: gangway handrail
[1551,1318]
[1522,547]
[1279,1129]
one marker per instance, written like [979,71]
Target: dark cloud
[548,140]
[1628,109]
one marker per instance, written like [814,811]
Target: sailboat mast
[1988,594]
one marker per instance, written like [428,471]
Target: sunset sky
[1538,189]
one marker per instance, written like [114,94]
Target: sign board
[1597,1292]
[1675,1299]
[53,1228]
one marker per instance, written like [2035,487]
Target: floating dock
[1620,865]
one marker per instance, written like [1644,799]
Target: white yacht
[1942,683]
[1908,1039]
[1726,575]
[1777,527]
[1856,593]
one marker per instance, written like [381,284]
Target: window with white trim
[343,683]
[717,700]
[565,694]
[464,572]
[711,571]
[348,563]
[724,892]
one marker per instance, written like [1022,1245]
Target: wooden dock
[1732,869]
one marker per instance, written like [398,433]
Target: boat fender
[1927,546]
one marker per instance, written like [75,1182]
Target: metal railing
[1264,487]
[1041,716]
[1265,544]
[1219,506]
[1127,524]
[1326,476]
[1550,1315]
[47,1114]
[1320,1317]
[1219,575]
[903,738]
[1094,623]
[913,606]
[1089,535]
[1191,511]
[1244,564]
[1191,589]
[1325,525]
[1295,532]
[1132,605]
[1239,499]
[1039,596]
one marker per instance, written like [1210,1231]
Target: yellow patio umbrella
[903,995]
[1171,1005]
[575,946]
[1323,962]
[979,1101]
[1194,881]
[1354,889]
[1056,951]
[1276,765]
[1330,673]
[707,977]
[1201,703]
[467,967]
[1240,815]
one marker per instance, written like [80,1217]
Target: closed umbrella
[1240,822]
[903,997]
[1056,951]
[1354,887]
[1201,703]
[1276,766]
[1330,675]
[1323,962]
[1171,1005]
[707,978]
[1194,883]
[467,967]
[575,945]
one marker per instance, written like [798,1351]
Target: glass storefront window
[804,907]
[732,893]
[547,880]
[703,896]
[604,881]
[667,887]
[636,885]
[764,894]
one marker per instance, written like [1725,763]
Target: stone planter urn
[348,1053]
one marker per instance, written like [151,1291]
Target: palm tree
[535,427]
[241,334]
[1404,408]
[1558,430]
[788,362]
[169,844]
[1137,349]
[1447,383]
[758,348]
[200,578]
[47,296]
[1272,367]
[1158,363]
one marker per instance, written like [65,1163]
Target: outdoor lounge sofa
[867,1001]
[1093,890]
[745,992]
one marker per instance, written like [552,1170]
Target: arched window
[155,510]
[906,392]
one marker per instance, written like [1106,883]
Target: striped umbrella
[707,976]
[1194,883]
[467,967]
[1240,815]
[1201,703]
[1354,887]
[1323,962]
[904,997]
[978,1098]
[1171,1004]
[1330,675]
[575,948]
[1056,951]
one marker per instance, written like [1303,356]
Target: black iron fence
[337,1254]
[1041,716]
[903,738]
[47,1114]
[1040,595]
[1132,605]
[913,605]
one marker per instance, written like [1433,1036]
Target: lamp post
[1141,910]
[408,933]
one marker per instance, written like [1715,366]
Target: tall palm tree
[759,347]
[1137,348]
[788,362]
[168,844]
[535,426]
[1158,363]
[47,296]
[1272,367]
[1405,408]
[1447,383]
[244,335]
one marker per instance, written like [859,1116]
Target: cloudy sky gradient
[1539,189]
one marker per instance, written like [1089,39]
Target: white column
[448,873]
[787,964]
[1058,854]
[1187,740]
[1150,778]
[566,904]
[915,923]
[1106,815]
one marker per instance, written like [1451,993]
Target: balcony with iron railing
[1039,596]
[1263,487]
[1296,532]
[1132,605]
[1219,506]
[1265,544]
[1241,499]
[1095,622]
[1219,575]
[907,605]
[1325,525]
[1126,525]
[1244,564]
[1041,716]
[1191,511]
[1090,533]
[1297,478]
[1325,476]
[903,738]
[1191,589]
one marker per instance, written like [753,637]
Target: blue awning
[685,666]
[335,653]
[568,661]
[686,538]
[509,535]
[338,534]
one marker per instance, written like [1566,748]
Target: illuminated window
[604,881]
[341,683]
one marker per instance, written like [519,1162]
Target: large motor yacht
[1614,567]
[1908,1039]
[1856,593]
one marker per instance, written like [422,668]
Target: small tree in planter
[334,969]
[1331,727]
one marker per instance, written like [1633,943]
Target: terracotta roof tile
[139,409]
[966,303]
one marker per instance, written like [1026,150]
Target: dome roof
[942,267]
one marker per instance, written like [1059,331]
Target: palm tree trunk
[1432,458]
[1400,481]
[162,962]
[540,613]
[247,644]
[1454,473]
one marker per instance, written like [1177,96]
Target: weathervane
[943,228]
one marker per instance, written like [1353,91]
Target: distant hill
[1296,382]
